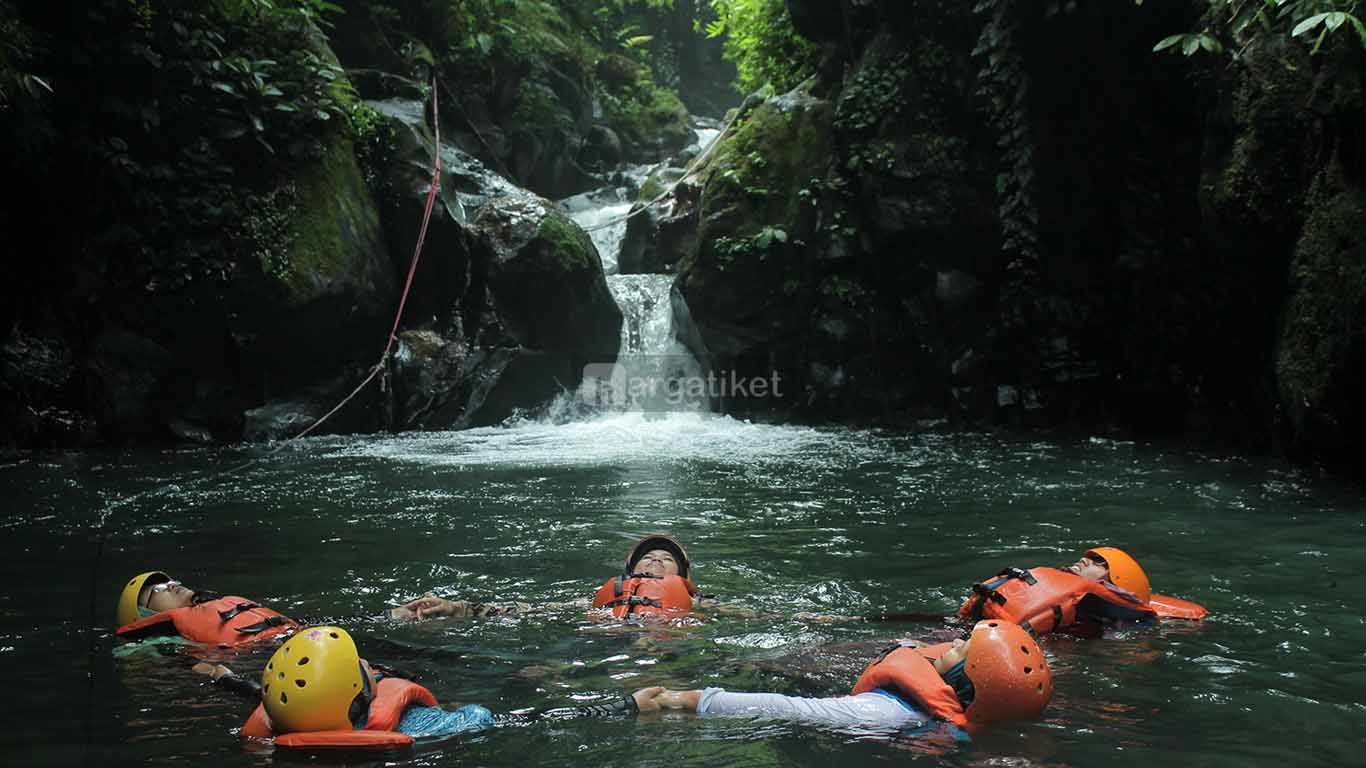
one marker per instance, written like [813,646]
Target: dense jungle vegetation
[1028,214]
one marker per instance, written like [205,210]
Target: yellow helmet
[128,610]
[1124,571]
[311,680]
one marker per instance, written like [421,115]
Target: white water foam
[623,439]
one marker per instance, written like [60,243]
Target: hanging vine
[1004,85]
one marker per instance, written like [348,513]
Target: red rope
[412,270]
[426,218]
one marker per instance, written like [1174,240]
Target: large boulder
[1321,353]
[317,304]
[536,311]
[546,278]
[659,238]
[750,280]
[39,393]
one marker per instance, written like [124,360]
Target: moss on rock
[642,112]
[1324,328]
[333,233]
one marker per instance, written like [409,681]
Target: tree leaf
[1308,24]
[1190,45]
[224,87]
[1361,28]
[1334,20]
[1167,42]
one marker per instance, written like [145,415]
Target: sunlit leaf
[1308,24]
[1167,42]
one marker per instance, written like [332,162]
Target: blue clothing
[419,721]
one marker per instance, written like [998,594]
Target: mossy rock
[334,240]
[748,279]
[650,118]
[1321,355]
[546,280]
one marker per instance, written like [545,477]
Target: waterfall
[654,370]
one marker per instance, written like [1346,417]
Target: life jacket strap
[261,626]
[634,601]
[232,612]
[987,590]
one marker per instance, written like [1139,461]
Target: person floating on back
[1104,586]
[999,673]
[317,693]
[655,584]
[153,604]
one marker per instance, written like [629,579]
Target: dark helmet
[664,542]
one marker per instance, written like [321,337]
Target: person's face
[952,656]
[369,674]
[165,596]
[658,562]
[1092,568]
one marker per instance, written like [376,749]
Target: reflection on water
[780,520]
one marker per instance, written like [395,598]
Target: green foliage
[640,110]
[747,249]
[1004,84]
[762,42]
[1236,24]
[184,117]
[16,57]
[872,97]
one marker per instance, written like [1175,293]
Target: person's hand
[214,671]
[655,698]
[428,606]
[647,699]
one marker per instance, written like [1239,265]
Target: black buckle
[235,610]
[1019,573]
[263,625]
[989,593]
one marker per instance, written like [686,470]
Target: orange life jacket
[635,594]
[1047,600]
[908,673]
[226,621]
[392,696]
[1169,607]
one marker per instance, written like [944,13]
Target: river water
[780,519]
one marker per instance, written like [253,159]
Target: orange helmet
[1009,674]
[1124,571]
[664,542]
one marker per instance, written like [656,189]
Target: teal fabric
[420,722]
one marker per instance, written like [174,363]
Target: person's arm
[225,678]
[875,710]
[430,606]
[625,706]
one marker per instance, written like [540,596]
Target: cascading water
[654,371]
